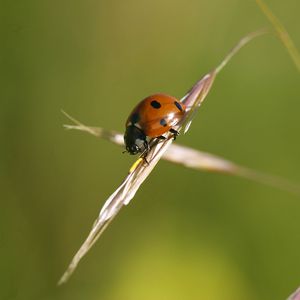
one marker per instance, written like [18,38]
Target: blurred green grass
[186,234]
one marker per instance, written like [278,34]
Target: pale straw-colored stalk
[295,295]
[194,159]
[281,33]
[143,166]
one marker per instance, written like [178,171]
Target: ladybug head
[135,140]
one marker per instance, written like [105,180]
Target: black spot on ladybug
[135,118]
[155,104]
[178,105]
[163,122]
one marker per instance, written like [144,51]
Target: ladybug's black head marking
[135,140]
[135,118]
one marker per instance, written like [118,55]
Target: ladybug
[151,118]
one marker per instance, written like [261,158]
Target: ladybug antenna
[125,151]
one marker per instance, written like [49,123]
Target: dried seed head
[140,170]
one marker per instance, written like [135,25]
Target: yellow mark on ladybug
[135,165]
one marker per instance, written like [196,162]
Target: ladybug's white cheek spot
[137,125]
[140,143]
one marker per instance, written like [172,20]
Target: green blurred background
[186,234]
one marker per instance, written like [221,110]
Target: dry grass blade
[122,196]
[295,295]
[199,160]
[281,33]
[110,135]
[140,170]
[195,97]
[245,40]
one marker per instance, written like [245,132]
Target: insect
[151,118]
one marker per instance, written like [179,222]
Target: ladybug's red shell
[156,114]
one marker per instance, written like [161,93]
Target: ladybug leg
[147,147]
[161,137]
[175,133]
[143,156]
[146,150]
[145,160]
